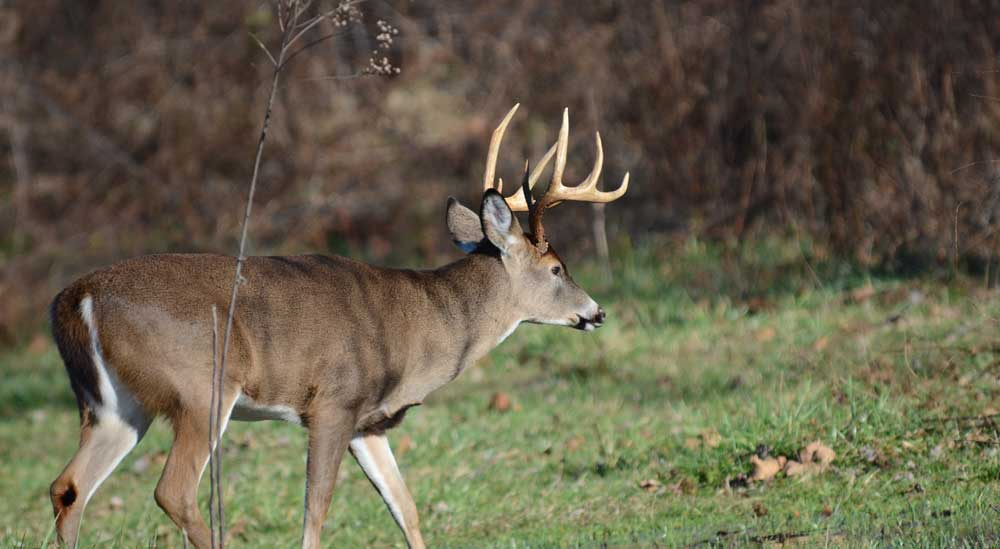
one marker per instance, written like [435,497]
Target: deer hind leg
[177,491]
[112,423]
[374,455]
[104,442]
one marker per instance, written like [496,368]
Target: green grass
[755,344]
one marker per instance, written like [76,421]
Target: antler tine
[595,173]
[494,150]
[562,146]
[517,201]
[586,191]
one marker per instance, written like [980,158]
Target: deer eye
[556,270]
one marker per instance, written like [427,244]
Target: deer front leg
[330,432]
[375,456]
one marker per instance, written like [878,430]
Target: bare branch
[308,25]
[263,47]
[309,45]
[289,12]
[218,381]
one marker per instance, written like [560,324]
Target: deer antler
[516,201]
[586,191]
[557,193]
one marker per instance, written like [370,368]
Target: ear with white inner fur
[499,224]
[464,225]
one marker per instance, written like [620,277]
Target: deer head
[545,292]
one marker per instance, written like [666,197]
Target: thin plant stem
[215,425]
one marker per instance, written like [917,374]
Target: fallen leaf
[238,529]
[574,444]
[766,468]
[814,458]
[795,469]
[710,438]
[978,437]
[757,304]
[818,453]
[500,402]
[827,511]
[759,509]
[765,334]
[692,443]
[862,294]
[683,487]
[821,343]
[117,503]
[404,445]
[650,485]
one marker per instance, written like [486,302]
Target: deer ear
[464,225]
[499,224]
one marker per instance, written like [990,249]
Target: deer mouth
[586,324]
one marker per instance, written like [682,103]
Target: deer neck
[476,302]
[487,314]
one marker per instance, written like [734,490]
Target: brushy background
[806,253]
[866,128]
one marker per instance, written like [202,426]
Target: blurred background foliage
[868,129]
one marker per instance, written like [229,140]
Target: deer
[340,347]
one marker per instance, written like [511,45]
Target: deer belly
[247,409]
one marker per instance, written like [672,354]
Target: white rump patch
[247,409]
[116,399]
[121,421]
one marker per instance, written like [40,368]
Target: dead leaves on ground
[709,438]
[766,468]
[650,485]
[404,445]
[816,457]
[683,487]
[501,402]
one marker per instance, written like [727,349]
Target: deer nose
[599,318]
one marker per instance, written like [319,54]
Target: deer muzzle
[587,324]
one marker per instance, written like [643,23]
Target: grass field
[710,352]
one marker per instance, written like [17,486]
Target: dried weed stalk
[294,26]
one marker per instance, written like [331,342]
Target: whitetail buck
[340,347]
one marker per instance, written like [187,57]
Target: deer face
[551,295]
[544,292]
